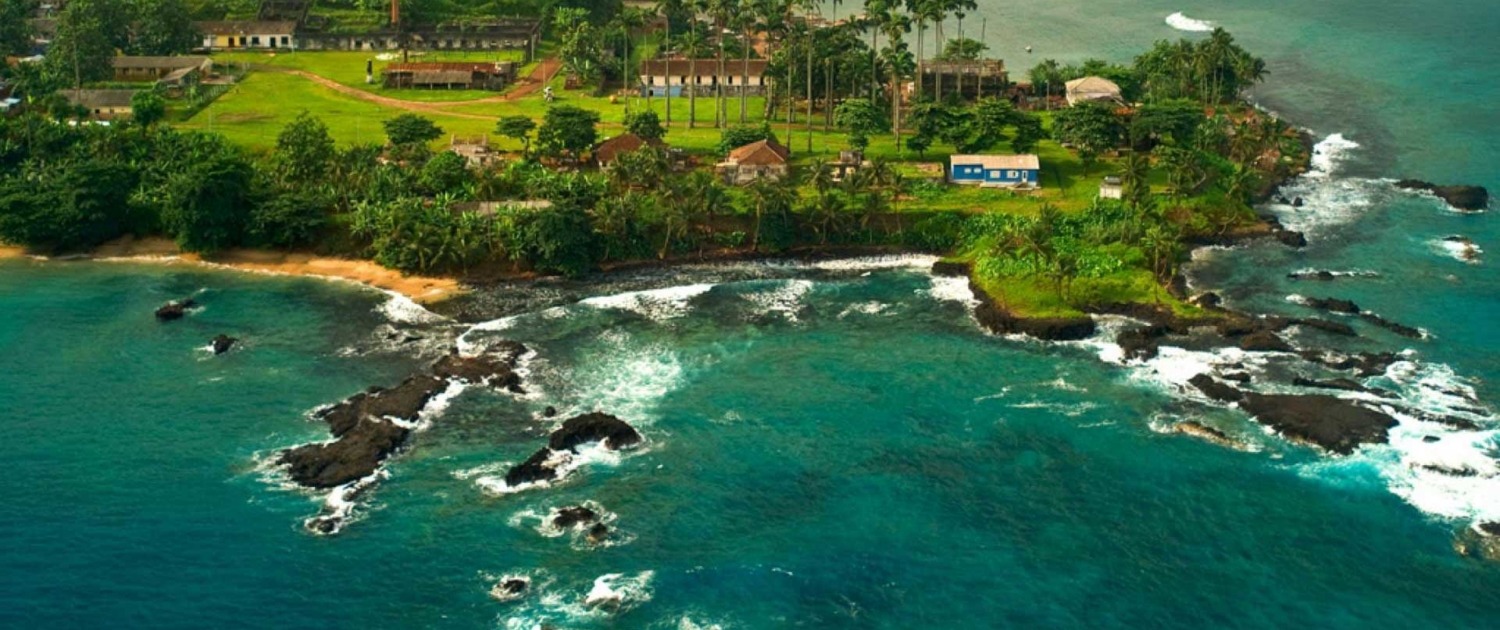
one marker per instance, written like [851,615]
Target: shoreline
[424,290]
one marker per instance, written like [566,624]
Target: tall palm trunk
[937,95]
[809,89]
[745,78]
[921,30]
[720,107]
[668,81]
[693,91]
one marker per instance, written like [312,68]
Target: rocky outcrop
[613,432]
[1400,329]
[574,516]
[1332,305]
[1215,390]
[546,464]
[1335,424]
[950,269]
[1343,384]
[495,368]
[1466,198]
[1362,364]
[1205,433]
[1330,327]
[371,425]
[176,309]
[1264,341]
[1000,321]
[1139,344]
[221,344]
[1467,250]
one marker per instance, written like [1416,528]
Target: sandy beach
[421,289]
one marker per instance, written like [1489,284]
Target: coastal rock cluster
[548,463]
[1465,198]
[370,426]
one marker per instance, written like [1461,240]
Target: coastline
[425,290]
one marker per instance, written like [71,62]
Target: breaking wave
[1182,22]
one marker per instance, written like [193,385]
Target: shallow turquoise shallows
[825,447]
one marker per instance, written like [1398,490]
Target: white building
[681,76]
[1092,89]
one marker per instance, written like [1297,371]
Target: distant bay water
[836,446]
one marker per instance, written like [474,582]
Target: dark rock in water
[1489,529]
[1141,343]
[355,455]
[1400,329]
[1467,198]
[495,368]
[593,427]
[1294,240]
[175,309]
[1264,341]
[222,344]
[1332,423]
[1297,203]
[1208,300]
[598,533]
[541,466]
[1333,305]
[1282,200]
[1238,377]
[549,412]
[1205,432]
[403,401]
[1464,471]
[950,269]
[513,586]
[1348,385]
[1214,389]
[1363,364]
[572,516]
[1431,439]
[1313,275]
[1333,328]
[1000,321]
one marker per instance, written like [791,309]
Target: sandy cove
[421,289]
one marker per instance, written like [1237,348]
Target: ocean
[833,445]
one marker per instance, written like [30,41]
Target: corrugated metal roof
[762,153]
[442,77]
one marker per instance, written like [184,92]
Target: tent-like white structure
[1092,89]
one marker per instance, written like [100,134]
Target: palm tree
[809,7]
[667,9]
[692,45]
[961,9]
[769,196]
[896,26]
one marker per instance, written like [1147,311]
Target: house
[1092,89]
[605,153]
[251,34]
[132,69]
[102,104]
[765,159]
[996,171]
[1112,188]
[485,75]
[475,150]
[679,77]
[969,79]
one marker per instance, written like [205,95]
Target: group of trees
[91,32]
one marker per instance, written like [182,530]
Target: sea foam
[1182,22]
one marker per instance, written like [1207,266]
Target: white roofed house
[1093,89]
[996,171]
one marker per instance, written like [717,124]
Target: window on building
[255,41]
[286,40]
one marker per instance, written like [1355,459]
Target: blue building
[996,171]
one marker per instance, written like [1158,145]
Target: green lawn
[254,112]
[348,68]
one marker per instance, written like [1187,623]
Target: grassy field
[348,68]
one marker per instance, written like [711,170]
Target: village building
[970,79]
[102,104]
[248,34]
[505,34]
[476,150]
[165,70]
[1112,188]
[607,152]
[766,159]
[462,75]
[996,171]
[1093,89]
[679,77]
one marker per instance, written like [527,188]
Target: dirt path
[539,77]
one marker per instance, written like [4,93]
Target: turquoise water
[824,448]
